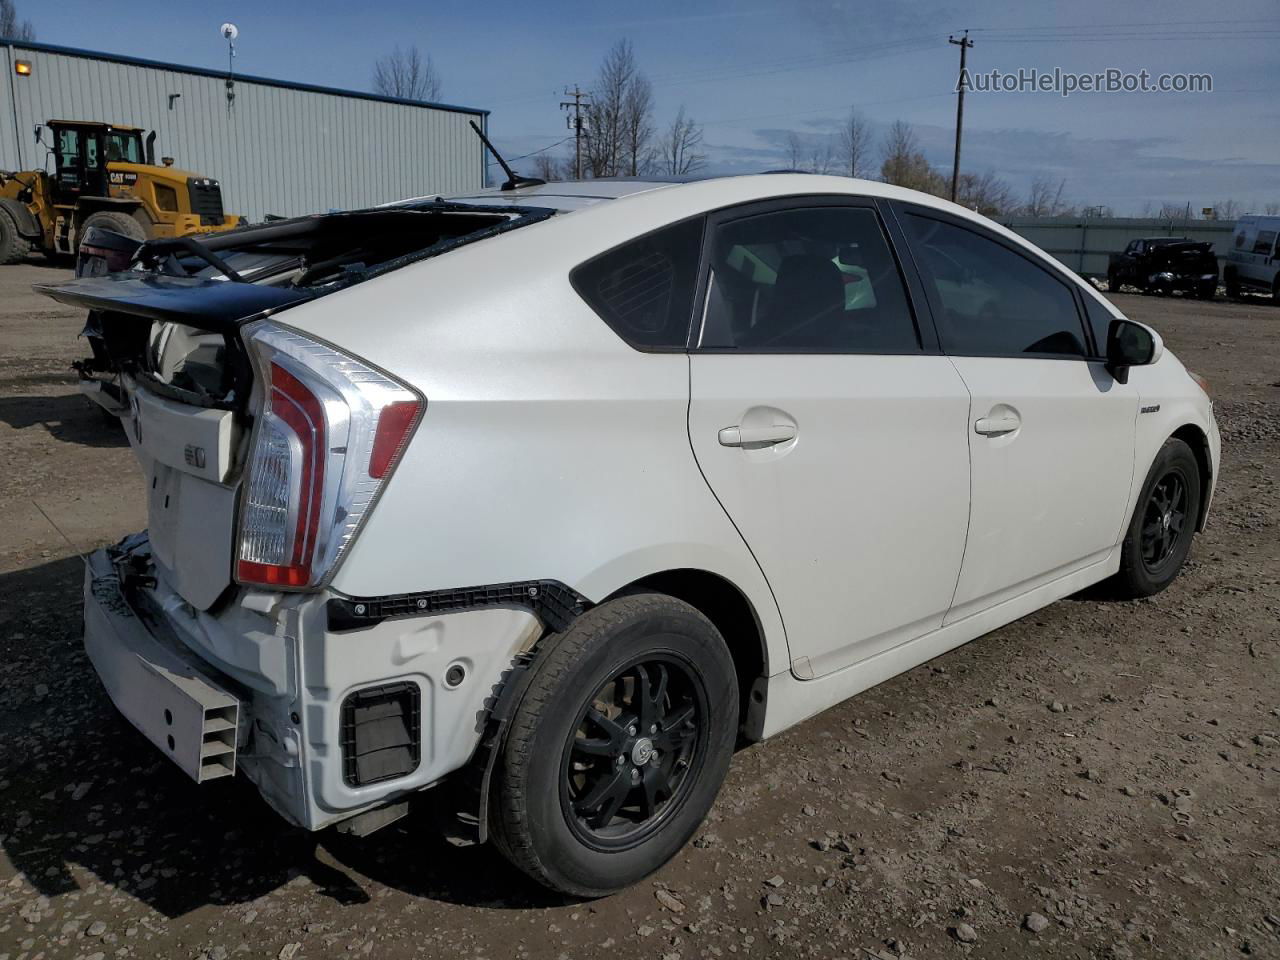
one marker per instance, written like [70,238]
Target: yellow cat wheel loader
[104,175]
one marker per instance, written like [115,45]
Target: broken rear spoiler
[218,306]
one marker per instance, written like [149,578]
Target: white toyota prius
[549,496]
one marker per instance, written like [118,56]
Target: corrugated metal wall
[278,150]
[1085,245]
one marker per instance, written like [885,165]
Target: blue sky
[752,72]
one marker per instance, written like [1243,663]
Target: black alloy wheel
[629,759]
[622,737]
[1164,520]
[1158,538]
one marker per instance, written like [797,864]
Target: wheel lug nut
[621,759]
[635,775]
[631,730]
[653,728]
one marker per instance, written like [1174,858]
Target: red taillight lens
[329,434]
[296,459]
[394,424]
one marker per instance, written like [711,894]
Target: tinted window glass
[817,280]
[1263,244]
[992,301]
[1100,323]
[644,288]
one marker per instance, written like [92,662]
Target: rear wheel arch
[729,610]
[1195,438]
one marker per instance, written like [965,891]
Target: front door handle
[757,436]
[997,426]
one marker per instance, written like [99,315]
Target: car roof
[627,206]
[563,196]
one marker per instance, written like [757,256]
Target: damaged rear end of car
[263,451]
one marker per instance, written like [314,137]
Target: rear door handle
[997,426]
[752,436]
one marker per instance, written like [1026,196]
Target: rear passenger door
[831,431]
[1051,432]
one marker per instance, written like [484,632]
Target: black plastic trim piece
[555,604]
[400,702]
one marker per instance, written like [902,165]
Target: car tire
[579,803]
[1232,284]
[120,223]
[12,247]
[1113,283]
[1163,523]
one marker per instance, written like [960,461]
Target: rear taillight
[329,433]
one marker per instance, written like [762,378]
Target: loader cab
[82,152]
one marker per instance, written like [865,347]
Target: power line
[525,156]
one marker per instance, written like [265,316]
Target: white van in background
[1253,259]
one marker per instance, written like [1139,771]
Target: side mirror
[1131,344]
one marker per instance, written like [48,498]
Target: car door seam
[968,522]
[688,431]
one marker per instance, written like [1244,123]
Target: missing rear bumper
[158,687]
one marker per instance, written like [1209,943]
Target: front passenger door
[1051,432]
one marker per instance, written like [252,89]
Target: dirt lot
[1108,770]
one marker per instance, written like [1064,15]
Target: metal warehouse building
[277,147]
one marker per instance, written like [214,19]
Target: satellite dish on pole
[229,31]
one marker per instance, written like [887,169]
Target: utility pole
[964,43]
[575,124]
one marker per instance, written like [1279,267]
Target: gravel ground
[1097,779]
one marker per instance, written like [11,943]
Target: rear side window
[808,280]
[644,289]
[989,300]
[1264,241]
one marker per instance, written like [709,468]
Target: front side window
[1100,323]
[812,280]
[644,289]
[989,300]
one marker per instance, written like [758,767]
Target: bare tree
[1226,210]
[1175,211]
[619,136]
[1270,209]
[795,151]
[679,147]
[10,28]
[405,74]
[904,163]
[1045,198]
[821,156]
[547,166]
[637,126]
[987,194]
[855,145]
